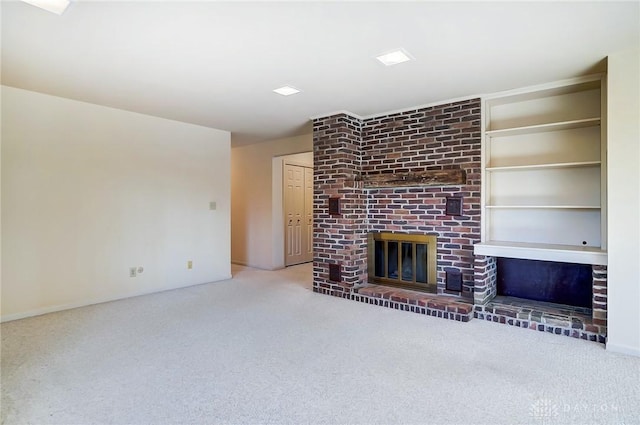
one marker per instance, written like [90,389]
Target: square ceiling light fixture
[54,6]
[395,57]
[286,90]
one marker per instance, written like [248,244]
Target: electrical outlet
[212,205]
[132,272]
[189,264]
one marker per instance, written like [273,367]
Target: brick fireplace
[348,150]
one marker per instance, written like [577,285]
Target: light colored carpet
[263,348]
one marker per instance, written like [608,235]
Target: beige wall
[90,191]
[256,238]
[623,188]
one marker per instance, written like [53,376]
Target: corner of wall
[623,191]
[91,191]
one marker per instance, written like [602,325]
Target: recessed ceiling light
[287,90]
[54,6]
[394,58]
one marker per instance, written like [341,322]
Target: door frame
[286,162]
[277,204]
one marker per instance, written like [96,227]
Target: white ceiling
[216,63]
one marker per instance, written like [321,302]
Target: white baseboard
[47,310]
[245,264]
[62,307]
[623,349]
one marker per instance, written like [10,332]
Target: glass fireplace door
[403,260]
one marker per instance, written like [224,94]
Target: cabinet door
[294,214]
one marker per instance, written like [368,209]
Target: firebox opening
[561,283]
[403,260]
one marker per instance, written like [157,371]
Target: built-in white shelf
[545,207]
[545,166]
[544,252]
[544,173]
[541,128]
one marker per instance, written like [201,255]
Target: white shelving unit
[543,174]
[541,166]
[540,128]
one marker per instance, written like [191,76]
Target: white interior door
[294,214]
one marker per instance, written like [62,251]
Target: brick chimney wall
[341,239]
[345,148]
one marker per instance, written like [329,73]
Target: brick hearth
[576,322]
[417,302]
[558,319]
